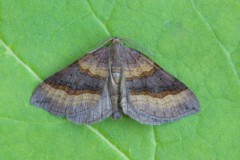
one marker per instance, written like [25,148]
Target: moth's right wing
[80,91]
[153,96]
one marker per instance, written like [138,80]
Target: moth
[112,81]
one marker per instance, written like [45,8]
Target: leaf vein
[154,143]
[100,22]
[225,51]
[108,142]
[11,53]
[102,137]
[111,12]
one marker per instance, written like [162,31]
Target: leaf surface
[198,41]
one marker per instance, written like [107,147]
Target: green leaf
[198,41]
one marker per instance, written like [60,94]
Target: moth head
[116,41]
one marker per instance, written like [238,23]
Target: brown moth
[115,80]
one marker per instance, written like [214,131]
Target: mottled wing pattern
[80,91]
[153,96]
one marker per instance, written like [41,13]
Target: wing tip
[34,100]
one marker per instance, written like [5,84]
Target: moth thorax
[116,73]
[116,77]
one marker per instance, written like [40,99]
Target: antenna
[137,46]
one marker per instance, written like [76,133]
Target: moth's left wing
[80,91]
[150,94]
